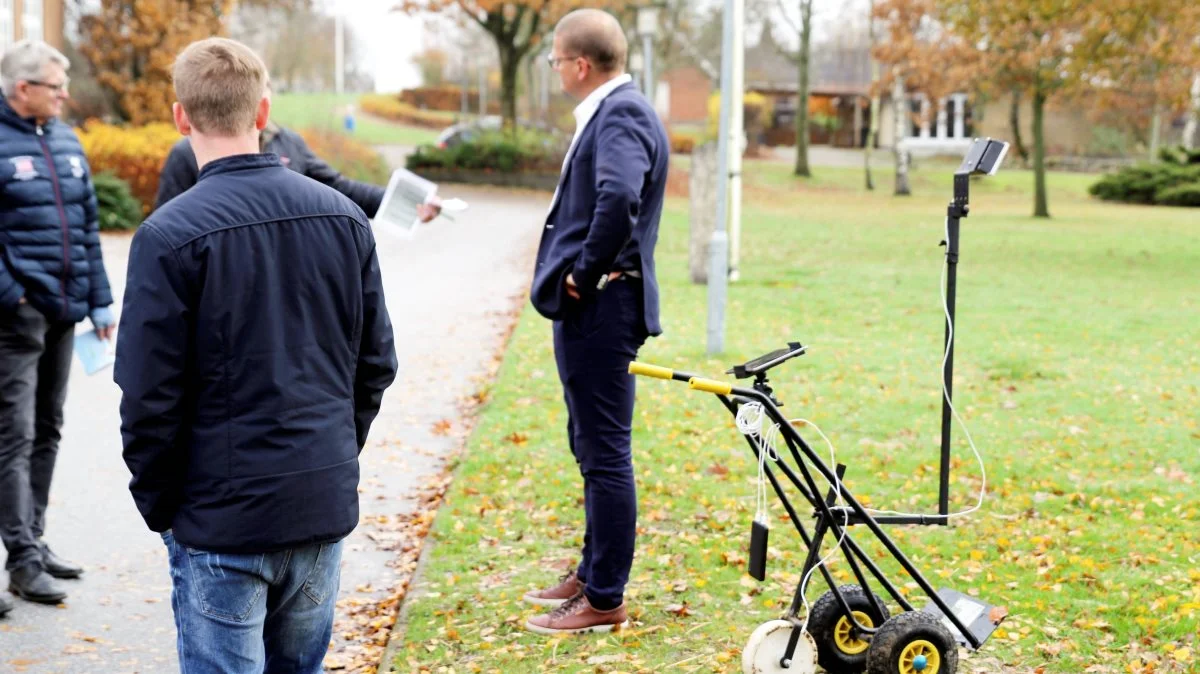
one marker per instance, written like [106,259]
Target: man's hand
[573,290]
[103,322]
[429,210]
[22,300]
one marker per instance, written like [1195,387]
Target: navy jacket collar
[28,124]
[239,162]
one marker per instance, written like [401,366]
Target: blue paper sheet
[94,353]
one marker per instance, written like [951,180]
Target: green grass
[1076,372]
[325,110]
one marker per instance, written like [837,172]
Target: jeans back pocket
[325,574]
[227,586]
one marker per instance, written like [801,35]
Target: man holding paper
[51,277]
[180,171]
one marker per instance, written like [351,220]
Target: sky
[390,39]
[393,38]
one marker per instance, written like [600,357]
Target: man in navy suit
[595,280]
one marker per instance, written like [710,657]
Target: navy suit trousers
[593,345]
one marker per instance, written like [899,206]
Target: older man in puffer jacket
[51,277]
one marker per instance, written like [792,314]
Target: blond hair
[219,82]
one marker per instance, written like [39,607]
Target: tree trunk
[530,89]
[901,113]
[702,211]
[1193,120]
[873,121]
[802,168]
[1155,130]
[510,64]
[1040,207]
[1014,124]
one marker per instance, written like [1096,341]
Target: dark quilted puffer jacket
[49,234]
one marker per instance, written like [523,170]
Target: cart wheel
[838,650]
[767,645]
[913,643]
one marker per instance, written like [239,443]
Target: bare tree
[803,53]
[873,124]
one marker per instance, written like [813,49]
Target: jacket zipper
[62,216]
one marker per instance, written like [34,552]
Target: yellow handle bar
[647,370]
[710,386]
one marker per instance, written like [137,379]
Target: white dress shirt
[583,115]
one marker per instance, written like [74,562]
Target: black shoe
[6,605]
[31,583]
[58,567]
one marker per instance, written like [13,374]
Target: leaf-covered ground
[1077,374]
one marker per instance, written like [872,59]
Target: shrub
[526,151]
[1107,141]
[1186,194]
[1179,156]
[757,112]
[350,157]
[1141,184]
[119,209]
[133,154]
[392,108]
[445,97]
[682,143]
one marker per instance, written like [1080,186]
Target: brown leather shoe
[568,586]
[576,616]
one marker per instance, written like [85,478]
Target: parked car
[466,131]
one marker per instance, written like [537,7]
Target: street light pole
[647,27]
[737,134]
[648,50]
[718,246]
[339,50]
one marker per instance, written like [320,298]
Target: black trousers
[593,346]
[35,361]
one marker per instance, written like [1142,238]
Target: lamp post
[339,53]
[647,28]
[637,69]
[728,170]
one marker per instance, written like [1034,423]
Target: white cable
[750,423]
[845,518]
[950,403]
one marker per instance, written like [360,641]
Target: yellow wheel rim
[918,649]
[842,638]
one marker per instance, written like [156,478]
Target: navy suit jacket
[610,198]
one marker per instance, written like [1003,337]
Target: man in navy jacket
[254,351]
[51,277]
[179,172]
[595,280]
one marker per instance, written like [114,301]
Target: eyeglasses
[555,62]
[56,88]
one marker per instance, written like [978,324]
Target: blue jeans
[253,613]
